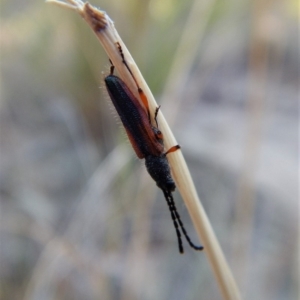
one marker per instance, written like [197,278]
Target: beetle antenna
[171,203]
[173,215]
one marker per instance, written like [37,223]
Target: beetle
[146,140]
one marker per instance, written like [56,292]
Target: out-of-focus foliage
[80,218]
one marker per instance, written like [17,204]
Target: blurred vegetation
[80,218]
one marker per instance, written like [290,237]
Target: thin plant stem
[105,30]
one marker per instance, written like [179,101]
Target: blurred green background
[81,218]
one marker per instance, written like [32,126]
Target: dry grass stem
[104,28]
